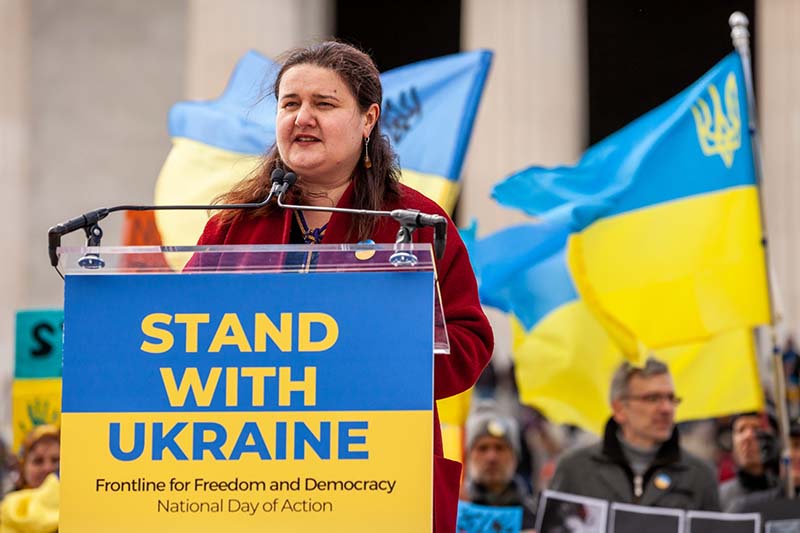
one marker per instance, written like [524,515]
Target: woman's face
[320,128]
[42,460]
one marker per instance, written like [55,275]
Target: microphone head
[277,176]
[288,181]
[440,238]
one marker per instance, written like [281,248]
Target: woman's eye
[289,105]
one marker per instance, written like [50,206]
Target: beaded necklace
[310,236]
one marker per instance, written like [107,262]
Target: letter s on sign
[163,335]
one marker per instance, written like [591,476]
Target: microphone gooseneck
[409,219]
[89,220]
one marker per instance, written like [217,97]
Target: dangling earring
[367,161]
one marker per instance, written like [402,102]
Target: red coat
[470,334]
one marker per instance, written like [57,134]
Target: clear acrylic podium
[281,388]
[259,258]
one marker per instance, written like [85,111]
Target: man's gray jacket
[675,479]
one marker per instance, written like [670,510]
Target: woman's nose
[304,117]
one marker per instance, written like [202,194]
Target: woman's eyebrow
[322,96]
[318,96]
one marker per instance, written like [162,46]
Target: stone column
[534,109]
[221,32]
[104,74]
[778,86]
[14,109]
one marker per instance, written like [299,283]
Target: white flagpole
[740,36]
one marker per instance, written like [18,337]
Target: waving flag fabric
[563,356]
[215,144]
[665,244]
[651,244]
[428,112]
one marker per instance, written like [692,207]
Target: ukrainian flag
[428,112]
[429,109]
[652,243]
[214,145]
[665,244]
[563,356]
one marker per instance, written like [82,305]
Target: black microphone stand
[91,260]
[89,223]
[409,219]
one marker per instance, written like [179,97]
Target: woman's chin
[305,167]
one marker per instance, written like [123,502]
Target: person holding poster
[639,460]
[757,501]
[756,454]
[35,506]
[328,132]
[492,454]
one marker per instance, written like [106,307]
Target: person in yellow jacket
[34,508]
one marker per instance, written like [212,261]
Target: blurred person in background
[34,507]
[639,460]
[754,501]
[791,369]
[492,456]
[756,456]
[40,456]
[540,441]
[9,471]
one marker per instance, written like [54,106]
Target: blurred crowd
[731,464]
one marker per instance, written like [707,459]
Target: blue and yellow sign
[225,402]
[36,390]
[38,343]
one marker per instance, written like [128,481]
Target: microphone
[89,220]
[55,233]
[277,178]
[409,219]
[287,181]
[440,237]
[412,217]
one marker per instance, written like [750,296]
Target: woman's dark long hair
[372,187]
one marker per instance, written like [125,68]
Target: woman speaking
[328,133]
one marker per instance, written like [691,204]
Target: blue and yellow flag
[428,112]
[651,243]
[564,358]
[36,390]
[215,144]
[665,244]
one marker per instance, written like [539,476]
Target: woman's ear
[371,118]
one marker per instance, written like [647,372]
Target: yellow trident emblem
[718,133]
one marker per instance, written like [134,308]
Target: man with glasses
[639,460]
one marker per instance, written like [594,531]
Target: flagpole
[740,36]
